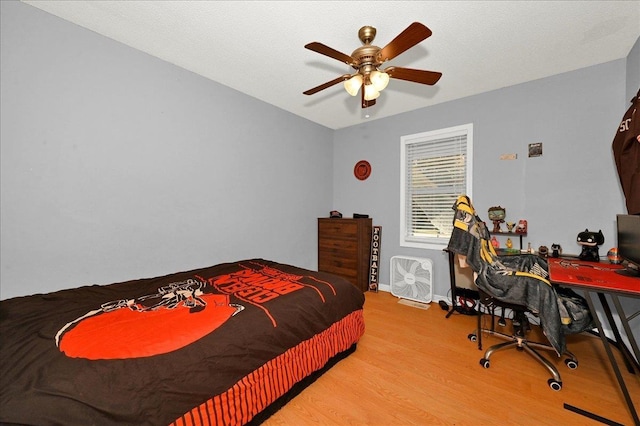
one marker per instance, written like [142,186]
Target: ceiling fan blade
[327,84]
[411,36]
[416,76]
[332,53]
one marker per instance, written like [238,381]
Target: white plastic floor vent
[412,278]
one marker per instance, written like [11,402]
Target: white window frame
[439,241]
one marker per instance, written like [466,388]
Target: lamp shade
[379,80]
[353,84]
[370,92]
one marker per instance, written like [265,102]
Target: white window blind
[436,170]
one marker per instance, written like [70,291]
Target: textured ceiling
[257,47]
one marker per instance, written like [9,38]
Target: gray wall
[633,71]
[573,186]
[116,165]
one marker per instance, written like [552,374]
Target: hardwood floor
[414,367]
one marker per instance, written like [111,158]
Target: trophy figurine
[497,215]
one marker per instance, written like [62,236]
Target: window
[435,170]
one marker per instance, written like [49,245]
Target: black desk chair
[519,284]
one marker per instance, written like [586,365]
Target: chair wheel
[554,384]
[485,363]
[472,337]
[571,363]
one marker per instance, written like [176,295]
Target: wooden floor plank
[415,367]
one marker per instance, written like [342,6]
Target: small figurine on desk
[497,215]
[510,226]
[613,256]
[522,227]
[509,243]
[543,251]
[590,241]
[556,250]
[495,243]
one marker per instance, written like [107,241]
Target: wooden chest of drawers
[344,249]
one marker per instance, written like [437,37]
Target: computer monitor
[629,244]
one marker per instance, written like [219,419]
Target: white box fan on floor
[412,278]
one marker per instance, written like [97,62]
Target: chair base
[519,341]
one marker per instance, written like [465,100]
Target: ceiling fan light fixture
[367,59]
[370,92]
[379,79]
[353,84]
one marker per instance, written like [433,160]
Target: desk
[601,279]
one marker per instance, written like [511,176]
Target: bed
[223,345]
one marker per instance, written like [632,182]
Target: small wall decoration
[362,170]
[376,236]
[535,149]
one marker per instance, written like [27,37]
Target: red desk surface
[596,276]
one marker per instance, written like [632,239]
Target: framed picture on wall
[535,149]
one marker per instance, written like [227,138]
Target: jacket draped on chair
[520,279]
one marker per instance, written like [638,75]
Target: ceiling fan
[367,59]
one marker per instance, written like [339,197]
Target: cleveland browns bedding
[213,346]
